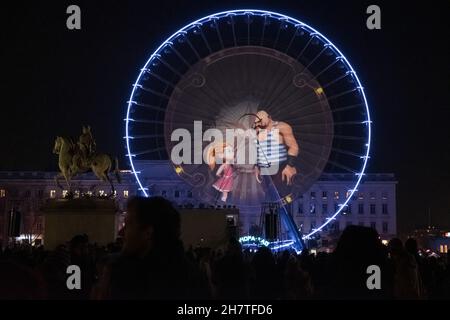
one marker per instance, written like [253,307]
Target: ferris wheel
[228,64]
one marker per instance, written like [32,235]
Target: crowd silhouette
[151,263]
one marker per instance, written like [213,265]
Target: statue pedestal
[65,218]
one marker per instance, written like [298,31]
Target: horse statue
[80,157]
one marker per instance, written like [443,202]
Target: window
[384,227]
[177,194]
[384,208]
[52,194]
[373,225]
[2,193]
[313,225]
[300,208]
[360,196]
[324,195]
[41,193]
[189,194]
[361,208]
[373,208]
[313,195]
[312,208]
[372,195]
[163,193]
[27,193]
[336,207]
[324,208]
[347,194]
[101,193]
[336,195]
[384,195]
[349,208]
[64,193]
[125,193]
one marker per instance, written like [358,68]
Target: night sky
[55,80]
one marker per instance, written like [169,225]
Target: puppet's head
[219,153]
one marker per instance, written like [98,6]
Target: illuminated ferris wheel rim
[287,19]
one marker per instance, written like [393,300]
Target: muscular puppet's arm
[289,139]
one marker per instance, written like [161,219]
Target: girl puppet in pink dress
[225,152]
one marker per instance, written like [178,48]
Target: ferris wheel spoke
[294,35]
[147,121]
[350,153]
[261,42]
[146,136]
[331,111]
[325,69]
[313,60]
[147,106]
[304,48]
[180,56]
[278,34]
[169,66]
[205,41]
[166,82]
[154,92]
[140,153]
[232,28]
[298,102]
[341,166]
[192,47]
[219,35]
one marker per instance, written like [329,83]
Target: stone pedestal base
[66,218]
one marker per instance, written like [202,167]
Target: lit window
[336,194]
[101,193]
[77,193]
[125,193]
[2,193]
[89,193]
[64,193]
[52,193]
[347,194]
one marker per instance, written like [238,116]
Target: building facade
[373,205]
